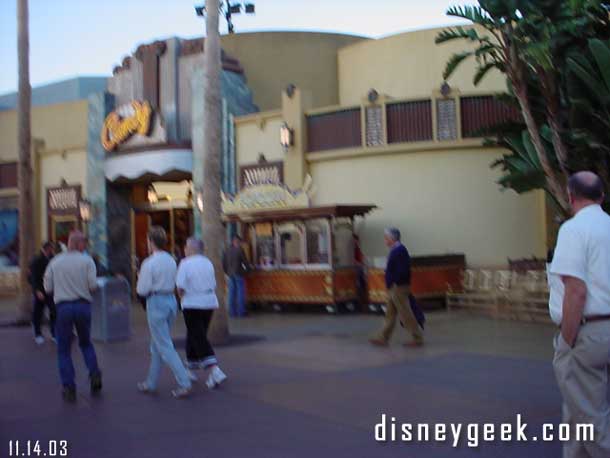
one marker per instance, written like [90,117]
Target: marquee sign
[266,197]
[121,124]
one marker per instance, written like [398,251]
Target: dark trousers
[38,313]
[70,315]
[198,348]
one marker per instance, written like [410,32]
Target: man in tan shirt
[71,278]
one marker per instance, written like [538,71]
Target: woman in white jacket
[196,283]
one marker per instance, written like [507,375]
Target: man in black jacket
[41,299]
[398,284]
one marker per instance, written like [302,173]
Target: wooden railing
[334,130]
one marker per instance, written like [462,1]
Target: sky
[71,38]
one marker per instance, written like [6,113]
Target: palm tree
[530,42]
[212,227]
[24,135]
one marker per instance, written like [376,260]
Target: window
[291,243]
[344,243]
[265,244]
[318,241]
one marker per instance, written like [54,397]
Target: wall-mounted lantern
[286,137]
[199,200]
[84,207]
[152,195]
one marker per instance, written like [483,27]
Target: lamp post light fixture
[230,9]
[286,137]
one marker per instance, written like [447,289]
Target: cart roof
[287,214]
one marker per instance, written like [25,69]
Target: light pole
[230,8]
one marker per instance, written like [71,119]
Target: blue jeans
[161,310]
[237,294]
[70,315]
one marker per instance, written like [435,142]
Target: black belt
[162,293]
[592,318]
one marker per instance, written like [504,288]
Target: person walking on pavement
[38,266]
[580,305]
[156,283]
[398,281]
[235,266]
[196,283]
[71,277]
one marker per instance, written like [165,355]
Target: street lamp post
[230,8]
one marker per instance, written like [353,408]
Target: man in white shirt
[582,311]
[156,282]
[196,283]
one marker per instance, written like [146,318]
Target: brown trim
[8,175]
[290,214]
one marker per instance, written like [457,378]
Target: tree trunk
[24,136]
[211,224]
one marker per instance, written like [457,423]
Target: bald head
[193,246]
[586,186]
[77,241]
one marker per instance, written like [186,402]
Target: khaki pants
[398,304]
[582,375]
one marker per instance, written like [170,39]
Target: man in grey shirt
[71,278]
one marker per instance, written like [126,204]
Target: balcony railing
[394,122]
[335,130]
[409,121]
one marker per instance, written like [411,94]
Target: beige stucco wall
[272,60]
[63,131]
[442,201]
[60,126]
[408,65]
[258,134]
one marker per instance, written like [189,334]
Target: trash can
[111,310]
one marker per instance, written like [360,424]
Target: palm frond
[454,62]
[482,71]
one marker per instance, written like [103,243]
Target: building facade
[367,120]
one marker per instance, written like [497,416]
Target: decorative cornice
[125,65]
[157,48]
[195,46]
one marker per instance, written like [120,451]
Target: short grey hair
[195,244]
[393,233]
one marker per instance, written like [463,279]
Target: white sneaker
[39,340]
[215,378]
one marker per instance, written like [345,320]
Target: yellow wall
[61,126]
[258,134]
[272,60]
[442,201]
[408,65]
[63,129]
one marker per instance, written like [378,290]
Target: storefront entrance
[177,222]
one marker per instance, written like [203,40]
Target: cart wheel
[277,308]
[331,309]
[384,309]
[373,308]
[351,307]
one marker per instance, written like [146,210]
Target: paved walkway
[311,386]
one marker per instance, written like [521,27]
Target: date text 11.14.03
[37,448]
